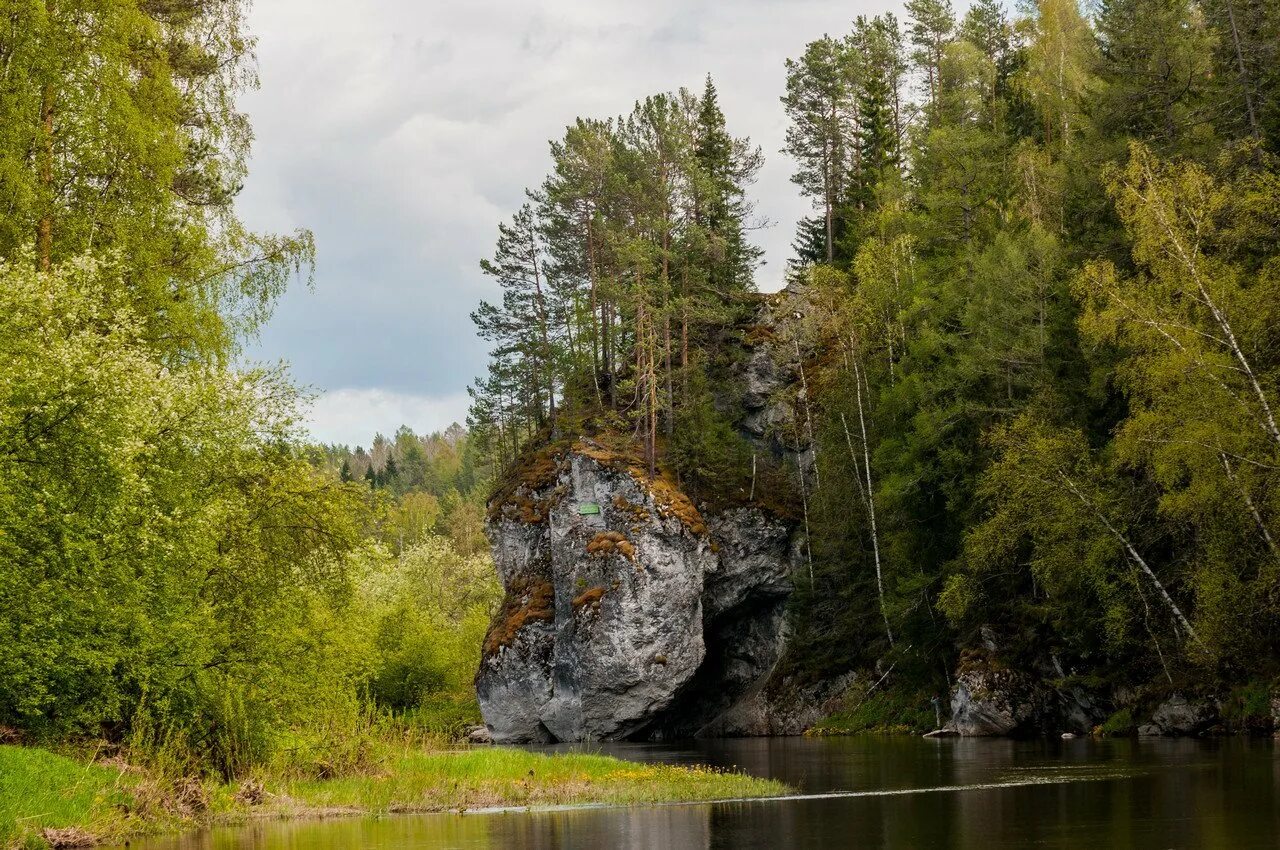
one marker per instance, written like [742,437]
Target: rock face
[774,387]
[786,709]
[631,613]
[627,612]
[990,700]
[993,699]
[1180,716]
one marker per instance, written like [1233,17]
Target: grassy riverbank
[48,798]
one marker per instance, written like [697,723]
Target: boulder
[989,700]
[627,613]
[479,735]
[1179,716]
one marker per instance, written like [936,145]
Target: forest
[1042,407]
[184,576]
[1044,360]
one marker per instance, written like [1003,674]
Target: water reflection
[1055,794]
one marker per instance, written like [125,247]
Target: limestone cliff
[628,612]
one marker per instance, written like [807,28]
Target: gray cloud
[403,132]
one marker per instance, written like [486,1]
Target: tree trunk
[44,227]
[808,417]
[1249,503]
[1133,554]
[543,322]
[1219,316]
[1246,85]
[871,500]
[597,339]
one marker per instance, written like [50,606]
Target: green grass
[439,781]
[40,790]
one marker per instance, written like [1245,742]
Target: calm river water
[872,792]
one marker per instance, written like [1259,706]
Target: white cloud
[403,131]
[353,416]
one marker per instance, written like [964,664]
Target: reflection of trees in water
[641,828]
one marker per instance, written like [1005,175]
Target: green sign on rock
[588,508]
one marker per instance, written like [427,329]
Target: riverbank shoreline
[51,800]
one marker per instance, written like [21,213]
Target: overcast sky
[402,132]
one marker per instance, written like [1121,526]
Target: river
[874,792]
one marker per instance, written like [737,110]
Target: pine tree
[725,167]
[522,325]
[930,28]
[817,103]
[1247,69]
[879,44]
[987,27]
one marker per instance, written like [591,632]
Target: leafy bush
[162,548]
[427,612]
[1120,723]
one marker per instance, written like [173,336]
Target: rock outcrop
[1179,716]
[628,613]
[781,707]
[632,613]
[773,399]
[992,698]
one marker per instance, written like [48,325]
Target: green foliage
[178,573]
[619,277]
[1047,396]
[427,612]
[155,523]
[1119,724]
[387,772]
[40,790]
[434,781]
[891,710]
[121,133]
[706,450]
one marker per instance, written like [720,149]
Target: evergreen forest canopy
[1044,254]
[619,277]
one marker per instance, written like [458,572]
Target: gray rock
[644,619]
[771,401]
[761,377]
[782,708]
[649,619]
[479,735]
[755,560]
[989,700]
[514,681]
[1179,716]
